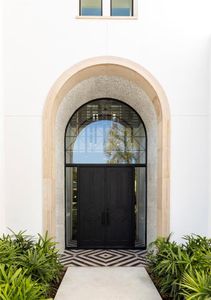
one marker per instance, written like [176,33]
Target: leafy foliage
[172,266]
[42,261]
[15,285]
[196,285]
[8,251]
[29,267]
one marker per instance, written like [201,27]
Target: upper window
[90,7]
[107,8]
[105,131]
[122,8]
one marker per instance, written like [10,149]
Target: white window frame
[106,12]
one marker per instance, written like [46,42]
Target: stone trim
[106,18]
[111,87]
[106,66]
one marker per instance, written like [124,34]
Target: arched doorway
[105,176]
[107,77]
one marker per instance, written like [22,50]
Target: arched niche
[95,78]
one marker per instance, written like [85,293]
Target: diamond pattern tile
[104,258]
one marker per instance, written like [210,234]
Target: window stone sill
[105,18]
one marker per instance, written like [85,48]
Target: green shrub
[14,245]
[42,261]
[171,264]
[8,252]
[15,285]
[199,250]
[21,241]
[36,261]
[196,285]
[166,264]
[194,243]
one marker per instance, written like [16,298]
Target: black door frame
[142,165]
[132,229]
[71,165]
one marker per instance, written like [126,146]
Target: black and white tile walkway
[103,258]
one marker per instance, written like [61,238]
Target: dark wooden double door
[106,207]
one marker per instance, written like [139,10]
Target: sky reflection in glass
[91,8]
[121,7]
[108,142]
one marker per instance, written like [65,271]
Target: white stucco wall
[170,39]
[209,218]
[2,186]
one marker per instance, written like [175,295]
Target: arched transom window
[105,131]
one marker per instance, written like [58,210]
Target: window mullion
[135,8]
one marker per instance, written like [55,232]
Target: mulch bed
[164,297]
[55,284]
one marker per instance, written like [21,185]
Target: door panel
[119,202]
[106,207]
[91,206]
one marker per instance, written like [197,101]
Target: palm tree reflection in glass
[120,146]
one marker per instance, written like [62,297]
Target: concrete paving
[107,283]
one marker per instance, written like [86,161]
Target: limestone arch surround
[104,67]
